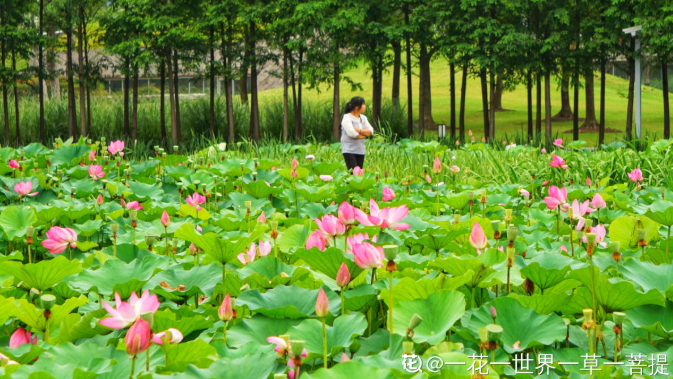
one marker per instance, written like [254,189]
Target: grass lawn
[512,121]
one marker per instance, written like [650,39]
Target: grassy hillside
[515,119]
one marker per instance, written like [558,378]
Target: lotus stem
[437,199]
[668,239]
[133,366]
[224,333]
[390,305]
[343,304]
[166,232]
[572,244]
[147,360]
[30,259]
[324,344]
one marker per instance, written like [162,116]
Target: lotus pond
[469,262]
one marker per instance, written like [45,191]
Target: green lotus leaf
[34,317]
[293,237]
[327,262]
[197,352]
[287,302]
[648,275]
[15,220]
[42,275]
[258,328]
[654,319]
[439,312]
[197,280]
[339,335]
[547,270]
[221,250]
[623,229]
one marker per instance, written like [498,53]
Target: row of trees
[314,42]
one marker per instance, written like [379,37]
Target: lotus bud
[495,225]
[494,313]
[47,301]
[193,249]
[614,246]
[641,234]
[391,251]
[343,276]
[512,232]
[415,321]
[483,334]
[591,238]
[494,332]
[618,318]
[322,304]
[408,347]
[297,346]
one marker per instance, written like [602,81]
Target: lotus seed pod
[30,231]
[641,234]
[133,214]
[408,347]
[483,334]
[274,225]
[570,213]
[175,147]
[588,315]
[47,301]
[614,246]
[508,213]
[580,234]
[470,196]
[588,223]
[591,238]
[456,218]
[618,317]
[391,251]
[416,320]
[495,225]
[297,346]
[114,228]
[494,332]
[149,239]
[248,204]
[512,232]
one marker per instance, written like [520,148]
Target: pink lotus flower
[557,161]
[99,199]
[469,132]
[543,151]
[483,139]
[581,209]
[384,218]
[294,174]
[165,219]
[346,213]
[14,164]
[116,147]
[264,248]
[358,171]
[310,157]
[330,226]
[295,164]
[92,155]
[558,142]
[437,166]
[138,337]
[563,248]
[557,198]
[588,182]
[135,205]
[600,232]
[388,194]
[321,304]
[455,169]
[281,346]
[326,178]
[96,171]
[226,311]
[316,239]
[367,255]
[524,193]
[597,202]
[196,200]
[125,313]
[457,142]
[21,337]
[175,337]
[248,255]
[636,175]
[358,238]
[478,238]
[510,146]
[343,276]
[262,218]
[59,238]
[427,178]
[24,188]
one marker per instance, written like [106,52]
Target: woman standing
[354,129]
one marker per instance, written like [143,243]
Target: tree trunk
[410,108]
[547,107]
[463,91]
[497,98]
[212,83]
[55,92]
[484,102]
[80,64]
[632,79]
[667,114]
[377,97]
[17,118]
[425,120]
[296,94]
[286,107]
[88,76]
[529,90]
[228,88]
[397,63]
[127,85]
[336,120]
[254,105]
[590,118]
[3,78]
[566,112]
[40,73]
[601,127]
[491,115]
[162,102]
[171,93]
[72,116]
[243,83]
[538,107]
[176,76]
[134,116]
[576,100]
[452,90]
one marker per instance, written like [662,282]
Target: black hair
[355,102]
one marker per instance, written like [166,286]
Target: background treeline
[501,42]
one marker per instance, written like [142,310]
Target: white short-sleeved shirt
[349,142]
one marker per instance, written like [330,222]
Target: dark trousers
[353,160]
